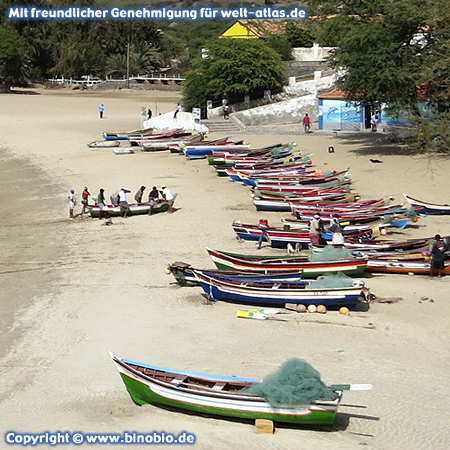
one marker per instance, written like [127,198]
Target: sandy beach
[72,290]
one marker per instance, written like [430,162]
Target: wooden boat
[200,151]
[266,264]
[122,135]
[159,137]
[218,395]
[278,293]
[416,264]
[104,144]
[184,274]
[134,209]
[281,237]
[426,207]
[284,204]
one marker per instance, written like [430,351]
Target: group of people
[120,199]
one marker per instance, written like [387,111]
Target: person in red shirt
[306,123]
[84,200]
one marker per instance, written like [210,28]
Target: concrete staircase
[220,126]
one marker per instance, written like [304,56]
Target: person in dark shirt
[153,197]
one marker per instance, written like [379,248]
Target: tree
[13,60]
[233,68]
[376,48]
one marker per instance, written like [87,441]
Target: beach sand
[74,290]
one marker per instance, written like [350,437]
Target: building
[255,29]
[336,113]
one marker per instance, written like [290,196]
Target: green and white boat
[218,395]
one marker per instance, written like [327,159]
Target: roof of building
[255,29]
[335,94]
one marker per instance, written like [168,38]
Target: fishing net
[330,253]
[295,383]
[333,280]
[411,213]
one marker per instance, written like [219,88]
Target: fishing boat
[123,135]
[280,237]
[219,395]
[184,274]
[428,208]
[200,151]
[135,209]
[266,264]
[179,133]
[279,293]
[418,265]
[104,144]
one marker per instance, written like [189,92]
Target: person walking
[306,123]
[175,114]
[72,203]
[101,110]
[226,112]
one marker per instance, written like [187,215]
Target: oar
[351,387]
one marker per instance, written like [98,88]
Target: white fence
[88,81]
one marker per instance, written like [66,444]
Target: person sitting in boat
[139,194]
[153,197]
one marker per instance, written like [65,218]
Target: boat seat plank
[219,386]
[178,379]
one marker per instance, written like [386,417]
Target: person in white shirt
[72,203]
[168,197]
[124,208]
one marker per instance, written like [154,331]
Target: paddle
[351,387]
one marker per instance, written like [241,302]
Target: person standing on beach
[72,203]
[315,228]
[85,199]
[438,250]
[124,208]
[139,194]
[306,123]
[101,205]
[101,110]
[168,197]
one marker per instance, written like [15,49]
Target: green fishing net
[332,280]
[331,253]
[295,383]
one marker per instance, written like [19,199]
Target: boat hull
[143,390]
[277,294]
[350,267]
[135,210]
